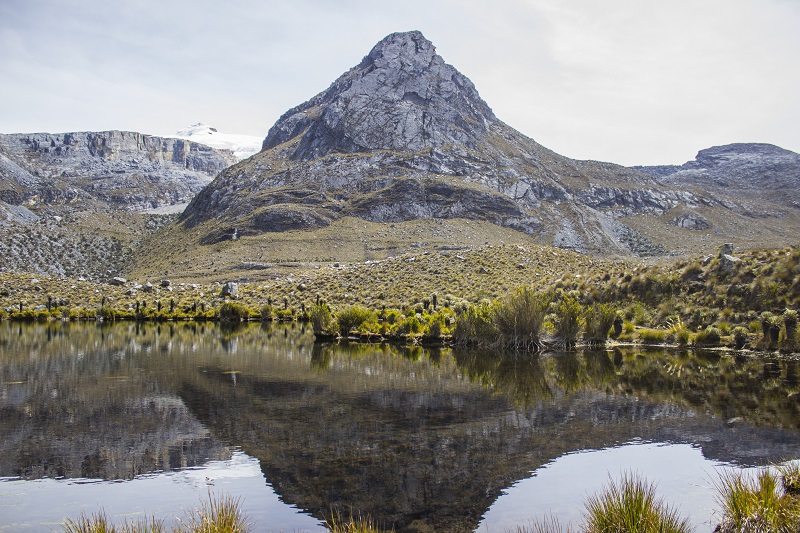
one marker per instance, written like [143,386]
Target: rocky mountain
[404,136]
[73,203]
[118,168]
[736,171]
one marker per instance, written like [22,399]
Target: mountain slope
[404,136]
[72,204]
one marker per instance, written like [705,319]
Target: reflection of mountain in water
[430,452]
[419,440]
[75,404]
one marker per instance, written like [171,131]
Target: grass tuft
[217,514]
[755,504]
[337,524]
[100,523]
[631,506]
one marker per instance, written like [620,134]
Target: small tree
[322,320]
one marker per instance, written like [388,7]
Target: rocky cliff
[404,136]
[71,204]
[735,172]
[122,169]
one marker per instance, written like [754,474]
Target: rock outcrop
[403,136]
[740,176]
[118,168]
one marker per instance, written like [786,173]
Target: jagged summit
[401,96]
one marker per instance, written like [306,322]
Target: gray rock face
[402,96]
[402,136]
[123,169]
[735,175]
[691,221]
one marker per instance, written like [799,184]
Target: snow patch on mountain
[242,146]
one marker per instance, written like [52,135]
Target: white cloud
[622,80]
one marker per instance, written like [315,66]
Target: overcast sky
[627,81]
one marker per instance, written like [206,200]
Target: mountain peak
[411,47]
[401,96]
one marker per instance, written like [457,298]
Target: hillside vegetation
[750,300]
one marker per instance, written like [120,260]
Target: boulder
[230,288]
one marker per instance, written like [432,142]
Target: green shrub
[267,313]
[322,320]
[598,319]
[107,314]
[411,325]
[233,312]
[708,337]
[474,325]
[352,317]
[652,336]
[631,507]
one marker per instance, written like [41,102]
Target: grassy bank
[519,297]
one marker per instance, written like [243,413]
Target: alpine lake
[141,420]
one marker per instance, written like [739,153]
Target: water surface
[147,419]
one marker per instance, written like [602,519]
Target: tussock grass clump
[756,504]
[598,320]
[519,317]
[631,506]
[221,514]
[549,524]
[100,523]
[710,336]
[653,336]
[568,320]
[337,524]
